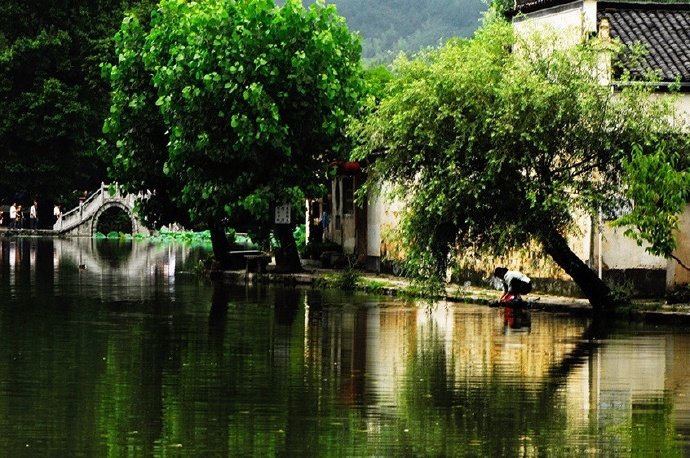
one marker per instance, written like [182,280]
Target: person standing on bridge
[13,215]
[19,218]
[33,216]
[56,213]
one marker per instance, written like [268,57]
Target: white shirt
[13,212]
[32,211]
[513,274]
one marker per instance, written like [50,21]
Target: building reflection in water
[599,385]
[13,255]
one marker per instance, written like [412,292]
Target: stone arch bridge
[83,220]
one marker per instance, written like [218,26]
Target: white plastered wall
[572,21]
[382,218]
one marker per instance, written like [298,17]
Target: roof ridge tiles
[663,31]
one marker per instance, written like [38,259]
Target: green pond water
[115,348]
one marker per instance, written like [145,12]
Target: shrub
[679,295]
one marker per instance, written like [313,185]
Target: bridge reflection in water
[114,269]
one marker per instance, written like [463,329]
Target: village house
[664,29]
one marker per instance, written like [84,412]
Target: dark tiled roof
[527,6]
[663,29]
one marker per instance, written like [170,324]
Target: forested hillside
[391,26]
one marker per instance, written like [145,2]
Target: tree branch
[680,263]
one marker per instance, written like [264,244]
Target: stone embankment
[650,311]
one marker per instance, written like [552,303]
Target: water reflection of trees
[488,394]
[306,373]
[400,379]
[268,371]
[491,415]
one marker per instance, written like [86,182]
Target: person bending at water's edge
[514,283]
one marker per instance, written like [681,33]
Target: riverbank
[25,232]
[654,311]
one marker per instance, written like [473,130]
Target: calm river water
[117,349]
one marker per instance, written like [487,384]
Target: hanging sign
[283,214]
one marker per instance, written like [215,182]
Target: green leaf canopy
[498,141]
[251,101]
[53,99]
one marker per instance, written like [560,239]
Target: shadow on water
[286,306]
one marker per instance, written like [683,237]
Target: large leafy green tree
[53,97]
[135,144]
[497,142]
[254,100]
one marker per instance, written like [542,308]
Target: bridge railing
[75,217]
[88,208]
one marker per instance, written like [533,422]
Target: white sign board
[283,214]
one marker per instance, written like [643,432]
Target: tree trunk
[220,244]
[598,293]
[288,258]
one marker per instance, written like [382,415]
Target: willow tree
[254,99]
[497,142]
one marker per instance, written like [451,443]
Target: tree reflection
[216,370]
[218,315]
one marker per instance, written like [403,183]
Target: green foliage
[423,290]
[202,238]
[52,95]
[622,293]
[679,295]
[114,219]
[372,286]
[346,280]
[300,234]
[502,6]
[137,159]
[113,235]
[658,182]
[499,140]
[376,79]
[245,106]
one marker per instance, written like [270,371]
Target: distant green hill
[391,26]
